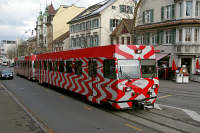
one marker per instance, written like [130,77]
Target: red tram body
[25,66]
[122,75]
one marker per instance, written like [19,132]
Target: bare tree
[135,15]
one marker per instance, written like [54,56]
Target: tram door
[92,72]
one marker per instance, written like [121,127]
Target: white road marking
[194,115]
[156,106]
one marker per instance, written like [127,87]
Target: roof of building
[62,37]
[93,10]
[124,24]
[169,23]
[51,9]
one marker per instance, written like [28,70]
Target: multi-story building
[60,27]
[7,49]
[94,25]
[173,27]
[44,29]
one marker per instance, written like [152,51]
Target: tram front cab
[137,83]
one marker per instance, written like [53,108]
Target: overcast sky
[18,17]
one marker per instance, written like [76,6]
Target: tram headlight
[138,51]
[127,89]
[154,86]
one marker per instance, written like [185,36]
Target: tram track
[167,121]
[179,94]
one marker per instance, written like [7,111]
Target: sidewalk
[13,119]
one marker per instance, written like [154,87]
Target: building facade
[94,25]
[60,27]
[7,49]
[44,29]
[173,26]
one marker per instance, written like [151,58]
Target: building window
[188,8]
[197,9]
[88,25]
[167,37]
[148,16]
[95,23]
[113,7]
[168,12]
[126,9]
[154,38]
[88,41]
[180,35]
[196,35]
[122,40]
[188,34]
[128,40]
[96,40]
[114,23]
[180,9]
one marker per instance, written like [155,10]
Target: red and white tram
[25,66]
[122,75]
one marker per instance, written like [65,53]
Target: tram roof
[110,51]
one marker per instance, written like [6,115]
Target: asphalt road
[66,112]
[185,96]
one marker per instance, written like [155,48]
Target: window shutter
[162,37]
[162,13]
[173,11]
[148,38]
[157,37]
[111,24]
[143,18]
[174,36]
[121,10]
[152,15]
[130,10]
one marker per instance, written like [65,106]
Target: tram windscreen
[148,68]
[129,69]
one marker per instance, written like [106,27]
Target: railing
[187,49]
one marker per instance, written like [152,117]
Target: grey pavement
[185,96]
[13,119]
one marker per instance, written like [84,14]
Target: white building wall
[110,13]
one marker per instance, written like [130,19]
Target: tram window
[148,68]
[55,67]
[50,66]
[61,66]
[78,67]
[92,68]
[40,65]
[68,66]
[34,64]
[45,65]
[109,69]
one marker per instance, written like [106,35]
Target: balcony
[187,49]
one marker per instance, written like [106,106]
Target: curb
[33,116]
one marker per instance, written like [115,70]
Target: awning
[160,56]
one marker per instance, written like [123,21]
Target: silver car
[6,74]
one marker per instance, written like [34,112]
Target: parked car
[4,63]
[6,74]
